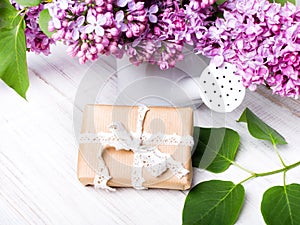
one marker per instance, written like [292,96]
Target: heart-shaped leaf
[259,129]
[27,3]
[281,205]
[44,19]
[215,148]
[213,202]
[13,66]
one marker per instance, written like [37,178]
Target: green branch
[278,154]
[284,169]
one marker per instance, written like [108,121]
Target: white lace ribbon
[143,145]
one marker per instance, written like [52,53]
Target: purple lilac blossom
[261,38]
[36,40]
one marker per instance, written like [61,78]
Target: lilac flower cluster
[261,38]
[36,40]
[87,27]
[147,31]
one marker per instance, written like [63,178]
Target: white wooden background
[38,155]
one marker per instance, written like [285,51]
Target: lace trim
[146,139]
[144,146]
[102,174]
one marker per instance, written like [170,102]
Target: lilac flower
[54,11]
[132,6]
[88,37]
[140,38]
[36,40]
[63,4]
[95,24]
[136,20]
[163,65]
[198,4]
[151,13]
[76,27]
[123,3]
[120,21]
[261,38]
[164,54]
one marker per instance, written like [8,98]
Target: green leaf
[8,14]
[292,1]
[219,2]
[13,66]
[44,19]
[213,202]
[259,129]
[281,205]
[283,2]
[27,3]
[215,148]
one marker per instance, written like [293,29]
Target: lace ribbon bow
[145,156]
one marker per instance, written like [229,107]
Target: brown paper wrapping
[167,120]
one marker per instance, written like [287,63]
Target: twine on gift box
[141,144]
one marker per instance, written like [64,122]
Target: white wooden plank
[9,214]
[40,159]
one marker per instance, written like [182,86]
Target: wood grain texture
[38,152]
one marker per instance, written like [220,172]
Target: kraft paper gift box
[140,147]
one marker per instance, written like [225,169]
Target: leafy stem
[22,17]
[284,178]
[284,170]
[241,167]
[220,202]
[21,13]
[278,154]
